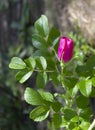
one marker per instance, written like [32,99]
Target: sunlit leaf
[41,25]
[41,62]
[47,96]
[41,80]
[17,63]
[30,62]
[39,42]
[85,87]
[32,97]
[39,114]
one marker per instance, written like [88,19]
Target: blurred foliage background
[16,27]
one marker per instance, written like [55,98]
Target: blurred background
[17,18]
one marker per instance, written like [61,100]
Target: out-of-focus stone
[70,12]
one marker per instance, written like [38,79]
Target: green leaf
[32,97]
[53,37]
[43,53]
[86,113]
[82,102]
[39,42]
[64,123]
[84,125]
[46,96]
[69,114]
[93,81]
[91,63]
[41,63]
[41,25]
[75,119]
[54,78]
[85,87]
[93,92]
[72,125]
[51,63]
[77,128]
[70,82]
[74,91]
[87,69]
[56,119]
[56,106]
[81,70]
[23,75]
[41,80]
[17,63]
[31,62]
[39,114]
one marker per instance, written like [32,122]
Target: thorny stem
[92,125]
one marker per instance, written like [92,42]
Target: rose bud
[65,49]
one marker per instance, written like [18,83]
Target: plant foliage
[70,107]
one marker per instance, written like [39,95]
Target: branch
[92,125]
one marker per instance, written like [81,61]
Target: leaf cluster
[70,108]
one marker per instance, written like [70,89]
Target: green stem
[37,70]
[55,54]
[92,125]
[62,82]
[68,97]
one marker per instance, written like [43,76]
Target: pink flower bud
[65,49]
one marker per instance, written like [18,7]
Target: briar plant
[61,61]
